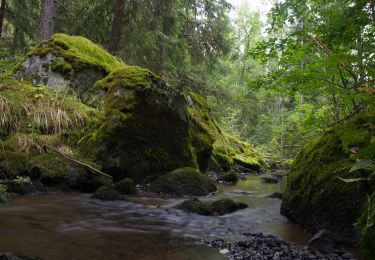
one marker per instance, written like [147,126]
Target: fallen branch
[46,147]
[337,122]
[345,118]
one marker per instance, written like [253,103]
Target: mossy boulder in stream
[126,121]
[107,193]
[315,197]
[184,181]
[218,207]
[125,186]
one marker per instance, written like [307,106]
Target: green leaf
[363,165]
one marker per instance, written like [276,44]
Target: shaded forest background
[277,84]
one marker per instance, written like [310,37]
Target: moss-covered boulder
[196,206]
[216,150]
[219,207]
[126,121]
[315,196]
[64,61]
[125,186]
[202,128]
[226,206]
[184,181]
[107,193]
[146,128]
[229,177]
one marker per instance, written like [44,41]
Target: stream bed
[73,226]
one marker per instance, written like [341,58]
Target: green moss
[184,181]
[219,207]
[54,170]
[241,153]
[226,206]
[314,193]
[62,67]
[27,109]
[107,193]
[145,131]
[79,52]
[4,194]
[125,186]
[196,206]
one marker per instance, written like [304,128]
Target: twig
[46,147]
[337,122]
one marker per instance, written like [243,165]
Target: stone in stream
[229,177]
[269,179]
[219,207]
[106,193]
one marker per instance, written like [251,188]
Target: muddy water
[72,226]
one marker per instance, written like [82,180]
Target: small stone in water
[224,251]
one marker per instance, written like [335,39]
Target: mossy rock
[107,193]
[219,207]
[64,61]
[89,182]
[229,177]
[125,186]
[226,206]
[145,132]
[195,206]
[315,196]
[202,128]
[214,149]
[22,186]
[184,181]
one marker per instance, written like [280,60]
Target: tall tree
[2,15]
[46,22]
[117,26]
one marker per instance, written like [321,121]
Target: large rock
[184,181]
[315,196]
[125,120]
[66,61]
[218,207]
[146,128]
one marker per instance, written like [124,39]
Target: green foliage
[354,137]
[4,195]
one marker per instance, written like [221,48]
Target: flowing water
[73,226]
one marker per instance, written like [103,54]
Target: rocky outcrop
[125,121]
[146,129]
[316,197]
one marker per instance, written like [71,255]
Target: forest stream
[73,226]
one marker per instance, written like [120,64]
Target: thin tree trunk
[2,15]
[46,22]
[117,26]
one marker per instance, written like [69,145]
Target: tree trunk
[117,26]
[46,22]
[2,15]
